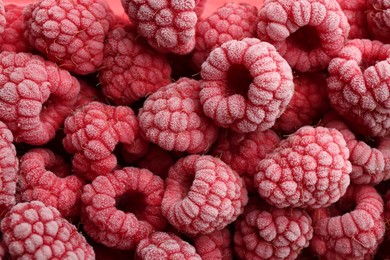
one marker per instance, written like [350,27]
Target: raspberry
[378,19]
[122,208]
[354,230]
[265,232]
[308,104]
[243,152]
[45,176]
[202,195]
[216,245]
[131,70]
[308,169]
[2,17]
[157,160]
[32,230]
[161,245]
[92,133]
[173,118]
[12,38]
[307,33]
[355,11]
[35,96]
[358,86]
[69,32]
[167,25]
[246,85]
[232,21]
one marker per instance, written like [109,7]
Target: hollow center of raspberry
[132,202]
[305,38]
[342,207]
[238,80]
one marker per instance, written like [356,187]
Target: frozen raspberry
[232,21]
[69,32]
[173,118]
[161,245]
[131,70]
[92,133]
[308,169]
[202,195]
[35,96]
[242,152]
[352,228]
[216,245]
[308,104]
[124,207]
[157,160]
[2,17]
[266,232]
[356,11]
[12,38]
[168,25]
[378,19]
[45,176]
[32,230]
[246,85]
[307,33]
[358,86]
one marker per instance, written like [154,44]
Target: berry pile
[259,131]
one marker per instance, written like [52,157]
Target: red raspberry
[32,230]
[2,17]
[122,208]
[358,86]
[92,133]
[131,70]
[69,32]
[157,160]
[309,169]
[308,104]
[202,195]
[216,245]
[354,229]
[307,33]
[265,232]
[173,118]
[161,245]
[45,176]
[356,11]
[243,152]
[232,21]
[168,25]
[12,38]
[378,19]
[246,85]
[35,96]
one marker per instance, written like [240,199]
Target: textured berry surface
[232,21]
[352,233]
[12,38]
[307,33]
[358,86]
[202,195]
[356,13]
[378,19]
[131,70]
[216,245]
[161,245]
[92,133]
[46,177]
[2,16]
[157,160]
[246,85]
[69,32]
[32,230]
[308,169]
[35,96]
[168,25]
[173,118]
[120,209]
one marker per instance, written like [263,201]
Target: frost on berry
[216,245]
[32,230]
[12,38]
[246,85]
[161,245]
[358,86]
[131,70]
[35,96]
[92,133]
[378,19]
[173,118]
[356,13]
[46,177]
[2,17]
[307,33]
[232,21]
[122,208]
[308,169]
[69,32]
[202,195]
[352,228]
